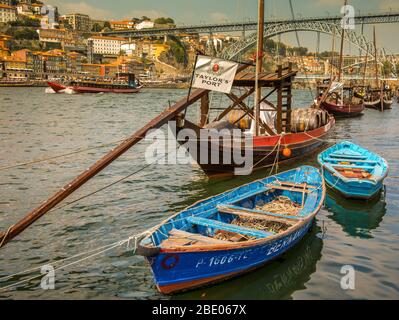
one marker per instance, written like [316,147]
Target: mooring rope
[92,255]
[32,162]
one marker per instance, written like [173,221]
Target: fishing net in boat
[251,223]
[354,173]
[281,205]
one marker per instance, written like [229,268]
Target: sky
[214,11]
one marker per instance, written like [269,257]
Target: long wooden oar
[100,165]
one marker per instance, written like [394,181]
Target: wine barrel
[244,123]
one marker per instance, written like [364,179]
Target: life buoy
[170,257]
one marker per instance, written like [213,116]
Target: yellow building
[15,69]
[4,51]
[158,49]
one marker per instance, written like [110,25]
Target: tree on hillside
[25,34]
[164,20]
[96,28]
[23,21]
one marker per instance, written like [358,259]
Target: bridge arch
[235,51]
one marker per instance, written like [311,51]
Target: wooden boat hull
[82,89]
[265,150]
[373,104]
[206,268]
[344,111]
[386,105]
[179,267]
[357,158]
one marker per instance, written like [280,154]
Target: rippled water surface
[35,125]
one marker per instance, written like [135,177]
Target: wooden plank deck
[180,238]
[258,214]
[217,225]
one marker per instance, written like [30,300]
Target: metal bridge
[391,17]
[237,49]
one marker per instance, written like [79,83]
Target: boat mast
[259,62]
[376,59]
[341,57]
[332,58]
[365,66]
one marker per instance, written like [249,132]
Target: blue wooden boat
[353,171]
[231,233]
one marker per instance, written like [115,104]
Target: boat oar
[100,165]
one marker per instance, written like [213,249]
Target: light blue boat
[353,171]
[185,253]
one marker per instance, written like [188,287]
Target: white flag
[214,74]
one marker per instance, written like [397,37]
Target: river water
[35,125]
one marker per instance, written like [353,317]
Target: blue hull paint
[194,266]
[349,155]
[179,266]
[352,189]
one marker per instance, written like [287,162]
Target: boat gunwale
[345,179]
[246,244]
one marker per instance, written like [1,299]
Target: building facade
[106,45]
[62,36]
[7,13]
[122,25]
[79,22]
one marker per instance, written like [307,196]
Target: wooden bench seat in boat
[258,214]
[351,161]
[346,156]
[351,167]
[183,238]
[217,225]
[250,194]
[292,184]
[292,189]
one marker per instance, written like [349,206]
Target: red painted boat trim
[81,89]
[293,138]
[343,110]
[56,86]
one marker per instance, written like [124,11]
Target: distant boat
[353,171]
[234,232]
[380,96]
[379,99]
[342,101]
[93,86]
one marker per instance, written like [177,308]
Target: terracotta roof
[107,38]
[6,6]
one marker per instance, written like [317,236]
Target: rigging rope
[22,164]
[302,61]
[103,250]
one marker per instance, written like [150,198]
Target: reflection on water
[34,125]
[276,280]
[357,218]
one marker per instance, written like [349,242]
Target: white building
[24,9]
[129,48]
[7,13]
[145,25]
[107,45]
